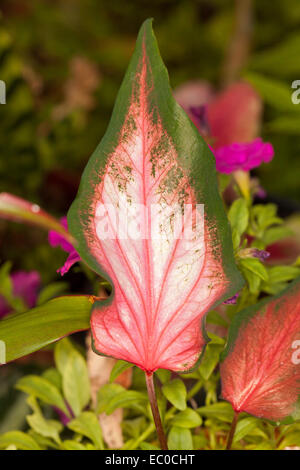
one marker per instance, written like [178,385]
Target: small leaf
[44,443]
[260,370]
[147,446]
[73,445]
[210,359]
[216,319]
[75,379]
[126,399]
[180,439]
[43,390]
[254,266]
[253,280]
[53,376]
[238,215]
[87,424]
[244,427]
[199,441]
[19,439]
[47,428]
[263,217]
[187,419]
[6,289]
[175,392]
[134,427]
[291,439]
[119,367]
[105,394]
[222,411]
[62,351]
[279,274]
[274,234]
[164,375]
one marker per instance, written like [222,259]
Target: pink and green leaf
[260,369]
[153,156]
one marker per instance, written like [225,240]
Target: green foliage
[87,425]
[175,392]
[180,439]
[188,418]
[193,417]
[50,389]
[75,380]
[119,367]
[6,289]
[113,396]
[41,388]
[238,216]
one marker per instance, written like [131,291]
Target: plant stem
[232,430]
[155,412]
[239,47]
[169,414]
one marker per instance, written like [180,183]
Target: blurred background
[63,62]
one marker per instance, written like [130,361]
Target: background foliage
[63,62]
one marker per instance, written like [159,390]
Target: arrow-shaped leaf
[260,371]
[144,186]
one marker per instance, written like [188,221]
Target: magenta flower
[232,300]
[64,419]
[243,156]
[56,239]
[230,121]
[262,255]
[26,286]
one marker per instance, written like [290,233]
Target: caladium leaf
[260,369]
[152,166]
[19,210]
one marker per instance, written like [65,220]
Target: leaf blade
[152,155]
[30,331]
[262,346]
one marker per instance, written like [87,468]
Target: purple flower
[262,255]
[26,286]
[231,300]
[243,156]
[64,419]
[56,239]
[199,115]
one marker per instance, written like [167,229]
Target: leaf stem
[155,412]
[232,430]
[151,428]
